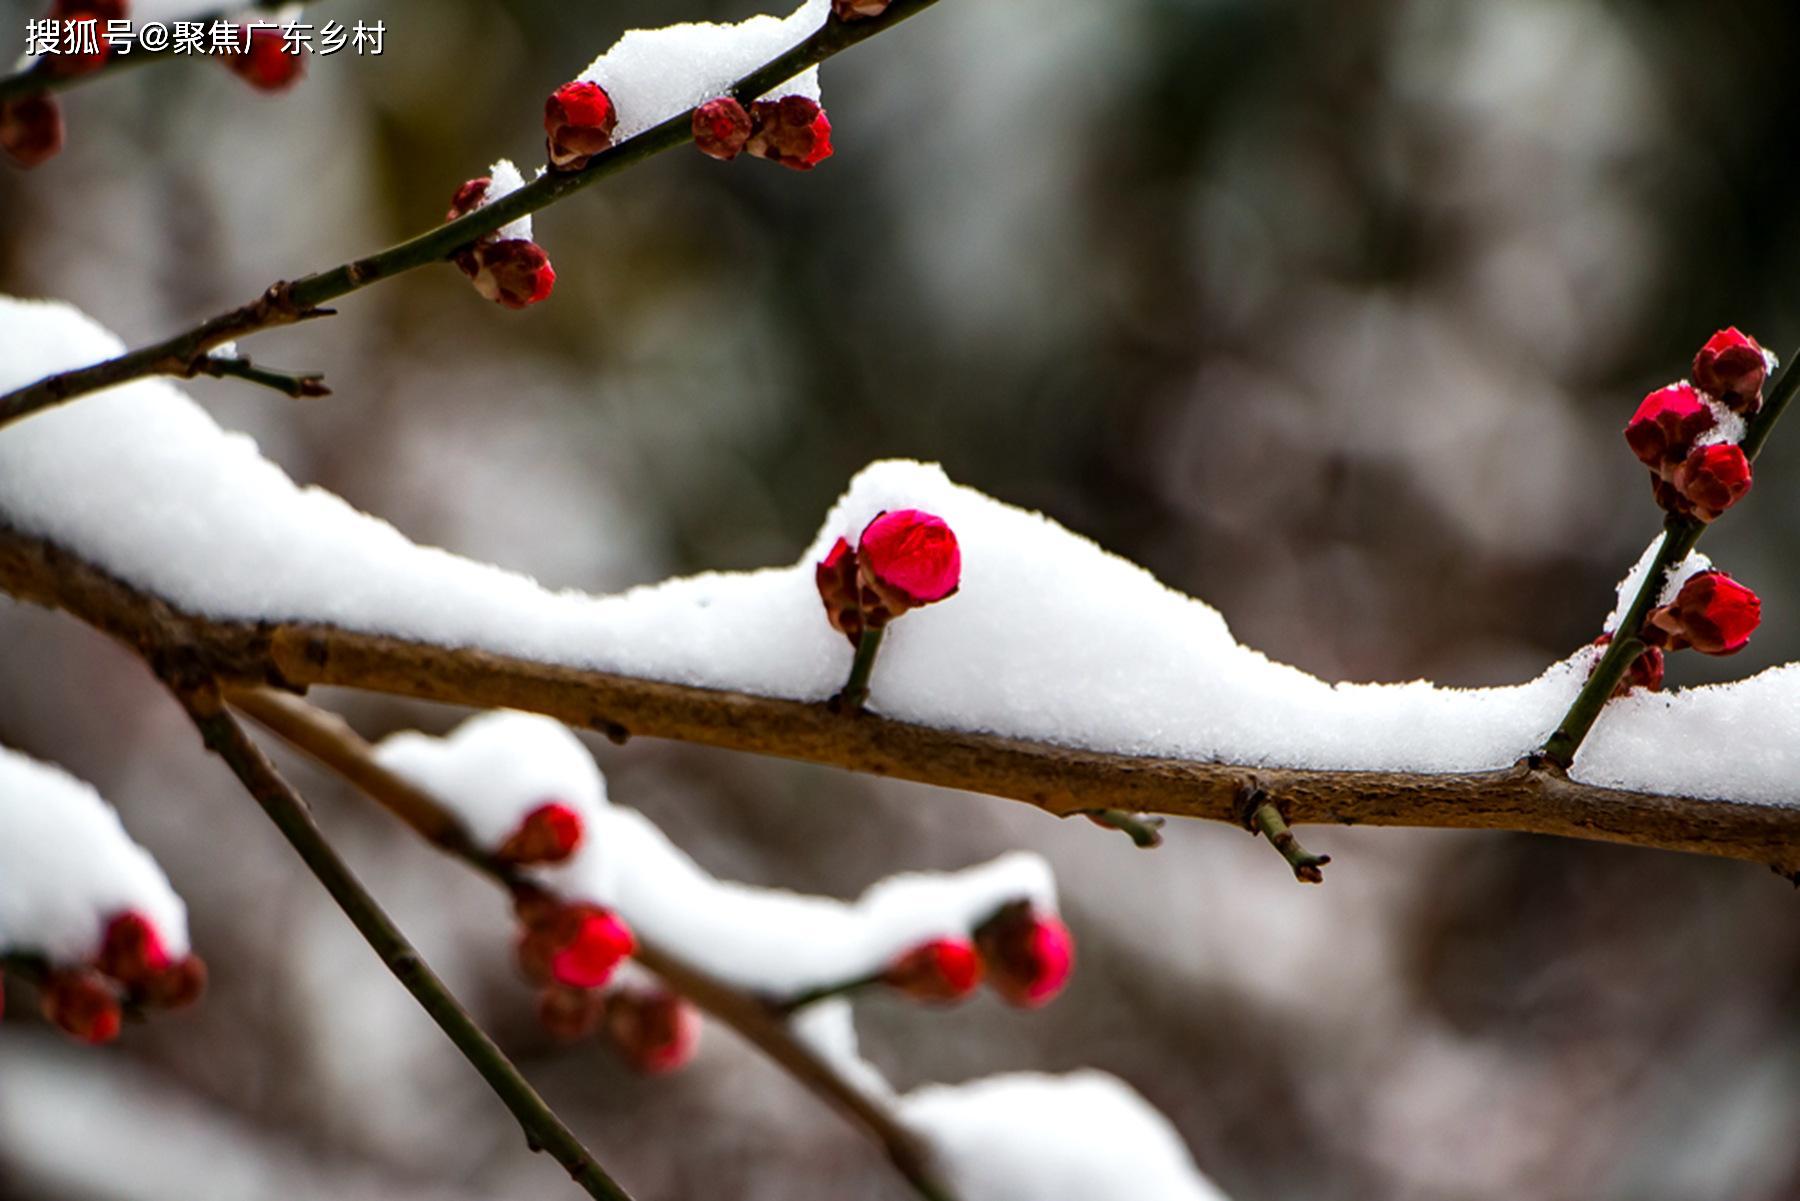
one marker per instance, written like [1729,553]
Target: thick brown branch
[1060,780]
[329,739]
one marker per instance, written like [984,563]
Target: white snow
[1086,1136]
[504,179]
[495,768]
[655,74]
[1051,638]
[67,866]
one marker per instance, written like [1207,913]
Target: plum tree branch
[328,739]
[42,77]
[1060,780]
[1680,534]
[225,737]
[286,302]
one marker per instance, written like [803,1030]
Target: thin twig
[42,76]
[1061,780]
[225,737]
[329,739]
[1263,816]
[286,302]
[1144,830]
[300,385]
[1679,536]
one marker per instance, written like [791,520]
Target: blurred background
[1330,314]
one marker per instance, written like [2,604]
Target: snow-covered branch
[184,354]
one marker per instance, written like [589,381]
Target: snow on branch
[731,948]
[84,910]
[1058,674]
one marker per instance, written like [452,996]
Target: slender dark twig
[545,1131]
[330,740]
[286,302]
[300,385]
[42,76]
[1679,536]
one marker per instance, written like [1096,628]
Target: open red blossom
[653,1030]
[1732,367]
[513,272]
[1663,430]
[721,128]
[1028,954]
[944,969]
[267,62]
[570,1014]
[1712,479]
[131,951]
[548,834]
[1712,613]
[31,129]
[84,1005]
[906,558]
[579,119]
[851,10]
[793,131]
[577,946]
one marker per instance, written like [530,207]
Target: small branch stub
[1144,830]
[1263,816]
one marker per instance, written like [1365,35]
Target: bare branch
[330,740]
[1058,779]
[286,302]
[543,1129]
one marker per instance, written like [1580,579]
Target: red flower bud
[721,127]
[31,129]
[850,10]
[1663,430]
[653,1030]
[267,63]
[84,1005]
[1732,367]
[548,834]
[579,119]
[905,558]
[1712,479]
[131,951]
[515,273]
[468,197]
[577,946]
[570,1014]
[793,131]
[945,969]
[1029,955]
[176,986]
[1645,672]
[1712,613]
[836,577]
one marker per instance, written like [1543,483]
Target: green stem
[1680,535]
[1263,816]
[298,384]
[1145,831]
[825,992]
[287,302]
[856,688]
[544,1131]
